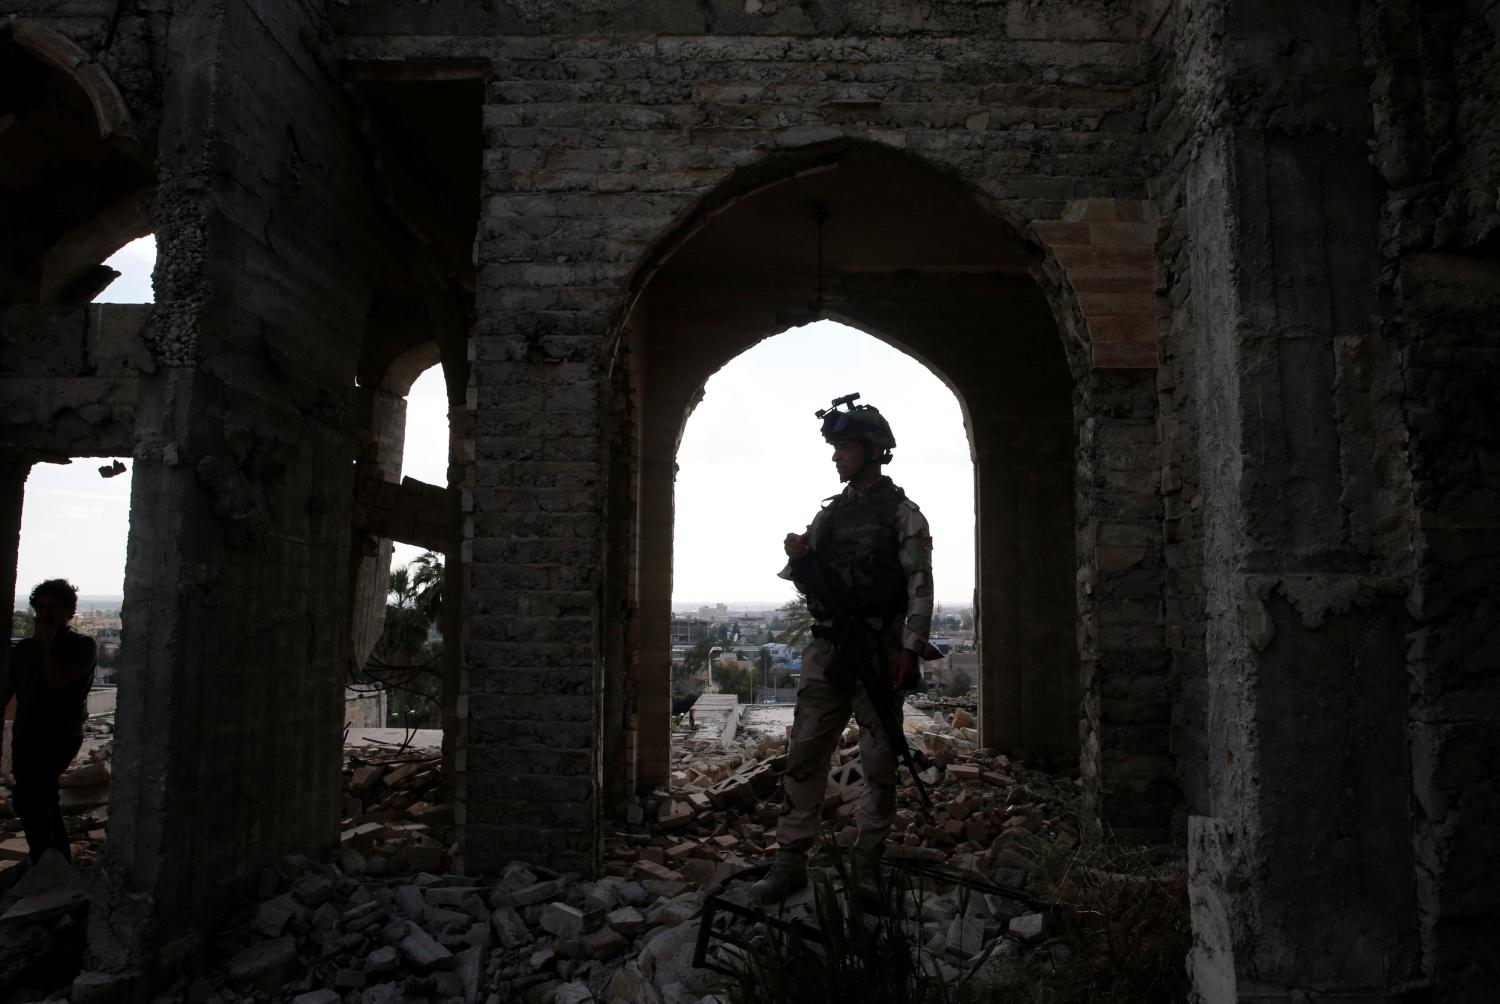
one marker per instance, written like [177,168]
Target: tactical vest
[860,539]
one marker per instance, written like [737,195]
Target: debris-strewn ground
[385,919]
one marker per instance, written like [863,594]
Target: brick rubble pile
[384,921]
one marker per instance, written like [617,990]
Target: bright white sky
[74,523]
[751,466]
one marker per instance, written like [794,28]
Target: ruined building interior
[1214,281]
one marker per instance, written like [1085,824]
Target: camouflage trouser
[823,711]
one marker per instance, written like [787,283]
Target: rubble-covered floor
[387,919]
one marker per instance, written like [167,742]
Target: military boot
[788,874]
[865,857]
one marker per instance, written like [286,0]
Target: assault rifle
[851,637]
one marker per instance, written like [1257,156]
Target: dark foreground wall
[1286,562]
[236,624]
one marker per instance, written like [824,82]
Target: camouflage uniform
[877,541]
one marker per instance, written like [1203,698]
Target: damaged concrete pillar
[1302,871]
[236,635]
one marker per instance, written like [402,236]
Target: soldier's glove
[905,674]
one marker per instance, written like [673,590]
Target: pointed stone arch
[930,265]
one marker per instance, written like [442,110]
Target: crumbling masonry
[1214,281]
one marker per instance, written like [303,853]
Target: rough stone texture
[1234,439]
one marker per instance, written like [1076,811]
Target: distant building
[689,631]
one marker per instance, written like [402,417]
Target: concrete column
[1302,872]
[236,644]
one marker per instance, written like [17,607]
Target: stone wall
[1437,150]
[1265,236]
[597,146]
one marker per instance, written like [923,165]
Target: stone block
[324,996]
[265,966]
[420,949]
[605,943]
[510,928]
[1028,926]
[564,921]
[627,920]
[313,890]
[384,959]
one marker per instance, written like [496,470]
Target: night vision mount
[847,401]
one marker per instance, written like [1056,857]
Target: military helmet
[857,421]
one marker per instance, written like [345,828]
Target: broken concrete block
[411,901]
[360,913]
[99,988]
[470,972]
[349,979]
[76,800]
[362,835]
[444,921]
[384,993]
[564,921]
[700,871]
[266,965]
[604,943]
[573,993]
[365,778]
[88,775]
[383,960]
[631,986]
[324,996]
[731,792]
[965,936]
[671,913]
[510,928]
[652,870]
[422,950]
[478,935]
[313,890]
[1028,926]
[46,904]
[516,876]
[674,816]
[15,849]
[420,857]
[627,920]
[530,895]
[270,920]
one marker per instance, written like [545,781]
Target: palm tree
[796,622]
[427,585]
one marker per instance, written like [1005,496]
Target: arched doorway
[893,247]
[752,467]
